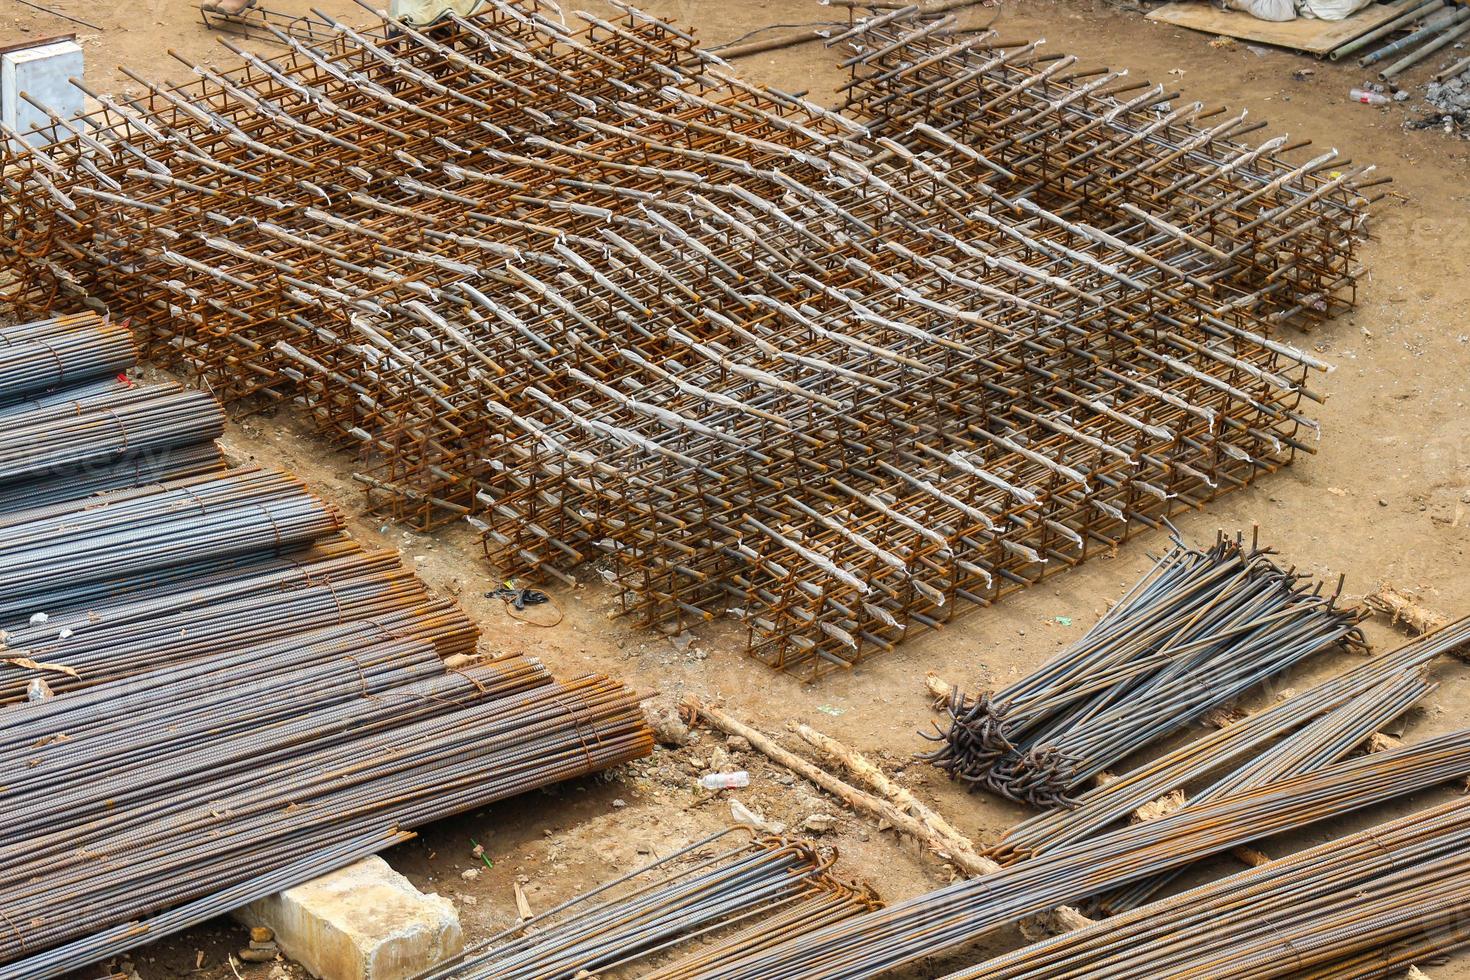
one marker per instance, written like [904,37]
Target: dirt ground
[1386,499]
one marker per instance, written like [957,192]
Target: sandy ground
[1386,499]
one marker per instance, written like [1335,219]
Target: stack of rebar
[74,425]
[869,945]
[697,897]
[56,557]
[42,360]
[1369,691]
[115,638]
[1201,628]
[1335,910]
[190,780]
[590,289]
[207,691]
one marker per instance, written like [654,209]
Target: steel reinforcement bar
[591,290]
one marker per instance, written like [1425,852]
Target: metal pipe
[1431,25]
[1453,70]
[1414,57]
[1358,43]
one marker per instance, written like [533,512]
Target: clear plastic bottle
[724,780]
[1367,97]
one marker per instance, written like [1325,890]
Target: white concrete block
[364,922]
[42,73]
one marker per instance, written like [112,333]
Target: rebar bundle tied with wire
[727,897]
[1351,907]
[1248,748]
[72,424]
[1199,629]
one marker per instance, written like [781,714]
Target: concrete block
[364,922]
[42,73]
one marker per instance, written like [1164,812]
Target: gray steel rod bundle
[179,463]
[1329,739]
[1395,881]
[361,747]
[702,889]
[1210,753]
[233,697]
[98,656]
[62,396]
[121,938]
[195,521]
[41,357]
[73,437]
[115,440]
[69,602]
[1395,959]
[334,559]
[870,945]
[1196,631]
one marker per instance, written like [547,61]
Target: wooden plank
[1303,34]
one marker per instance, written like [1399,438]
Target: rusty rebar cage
[837,372]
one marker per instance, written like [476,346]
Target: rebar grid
[593,291]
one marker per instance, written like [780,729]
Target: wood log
[876,780]
[964,858]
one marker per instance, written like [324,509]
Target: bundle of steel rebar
[210,692]
[1315,913]
[110,441]
[79,548]
[109,943]
[591,290]
[191,780]
[112,641]
[780,887]
[75,426]
[46,357]
[1198,630]
[1194,763]
[871,944]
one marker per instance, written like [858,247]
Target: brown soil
[1387,498]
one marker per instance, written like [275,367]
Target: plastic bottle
[1368,98]
[724,780]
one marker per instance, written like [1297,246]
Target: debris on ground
[1405,609]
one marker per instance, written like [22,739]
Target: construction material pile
[210,693]
[1197,631]
[72,424]
[869,945]
[594,291]
[698,897]
[1365,905]
[1287,738]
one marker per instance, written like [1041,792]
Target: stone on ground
[363,922]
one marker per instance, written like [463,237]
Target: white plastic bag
[1277,10]
[1332,9]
